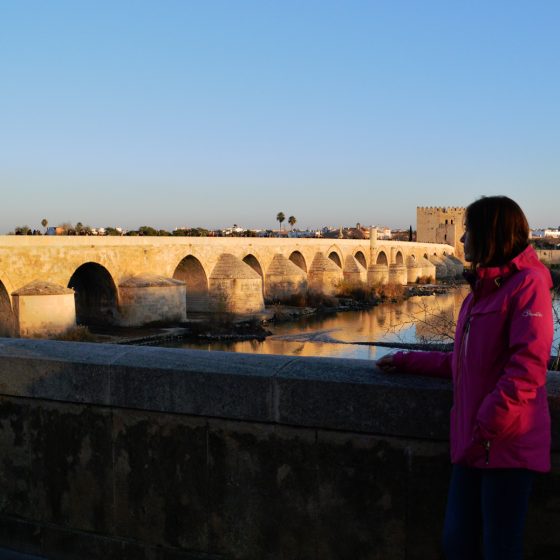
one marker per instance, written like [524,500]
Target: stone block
[218,384]
[72,471]
[428,475]
[161,479]
[354,395]
[543,519]
[20,421]
[272,472]
[362,497]
[64,371]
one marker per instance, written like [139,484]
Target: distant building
[55,230]
[436,224]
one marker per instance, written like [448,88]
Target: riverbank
[206,327]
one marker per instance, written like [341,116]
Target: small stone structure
[43,309]
[150,299]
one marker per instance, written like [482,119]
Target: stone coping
[327,393]
[9,241]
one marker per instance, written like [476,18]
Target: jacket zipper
[464,343]
[463,348]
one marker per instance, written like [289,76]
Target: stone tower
[441,225]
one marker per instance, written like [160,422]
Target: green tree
[22,230]
[280,218]
[292,221]
[45,223]
[147,230]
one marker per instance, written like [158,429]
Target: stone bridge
[139,280]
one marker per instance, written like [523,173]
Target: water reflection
[418,319]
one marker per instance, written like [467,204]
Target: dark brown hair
[498,230]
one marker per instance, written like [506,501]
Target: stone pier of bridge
[49,283]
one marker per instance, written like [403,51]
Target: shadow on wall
[7,317]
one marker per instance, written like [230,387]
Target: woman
[500,423]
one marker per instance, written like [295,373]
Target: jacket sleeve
[530,341]
[432,364]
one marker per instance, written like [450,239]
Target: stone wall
[114,452]
[549,256]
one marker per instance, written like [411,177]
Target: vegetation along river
[347,334]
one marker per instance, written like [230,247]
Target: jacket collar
[526,259]
[488,279]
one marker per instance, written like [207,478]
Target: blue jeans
[485,516]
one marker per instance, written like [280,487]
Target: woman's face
[467,248]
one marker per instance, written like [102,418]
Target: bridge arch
[254,263]
[335,258]
[299,260]
[361,258]
[382,258]
[7,317]
[192,273]
[96,295]
[399,259]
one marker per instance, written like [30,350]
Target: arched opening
[360,257]
[7,317]
[297,258]
[382,259]
[335,259]
[255,265]
[95,295]
[399,258]
[191,272]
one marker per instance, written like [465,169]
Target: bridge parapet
[135,452]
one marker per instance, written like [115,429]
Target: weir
[148,453]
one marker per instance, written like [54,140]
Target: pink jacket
[500,416]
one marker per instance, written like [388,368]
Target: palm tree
[280,218]
[45,223]
[292,220]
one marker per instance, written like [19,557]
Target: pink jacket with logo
[500,416]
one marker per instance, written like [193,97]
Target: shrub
[79,333]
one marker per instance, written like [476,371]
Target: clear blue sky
[210,113]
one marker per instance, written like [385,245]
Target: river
[341,335]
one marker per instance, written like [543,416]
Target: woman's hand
[387,363]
